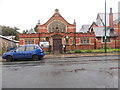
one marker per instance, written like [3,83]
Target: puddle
[75,70]
[114,68]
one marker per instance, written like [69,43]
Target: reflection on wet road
[81,72]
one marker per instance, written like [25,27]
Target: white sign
[44,44]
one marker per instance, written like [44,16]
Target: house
[112,30]
[59,34]
[7,42]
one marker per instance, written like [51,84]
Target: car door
[29,51]
[19,52]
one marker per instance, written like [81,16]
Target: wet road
[81,72]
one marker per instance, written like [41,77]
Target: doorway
[57,44]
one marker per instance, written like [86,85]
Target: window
[29,41]
[26,42]
[107,39]
[56,26]
[74,41]
[84,40]
[67,41]
[99,38]
[47,38]
[20,49]
[29,48]
[37,47]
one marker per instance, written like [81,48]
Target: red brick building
[112,30]
[59,33]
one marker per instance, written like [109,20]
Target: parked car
[33,52]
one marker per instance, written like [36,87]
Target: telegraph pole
[105,38]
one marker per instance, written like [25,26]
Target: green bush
[98,50]
[87,51]
[78,51]
[46,52]
[70,52]
[94,51]
[113,50]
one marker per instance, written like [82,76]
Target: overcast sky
[25,14]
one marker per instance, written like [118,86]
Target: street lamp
[75,40]
[105,38]
[67,37]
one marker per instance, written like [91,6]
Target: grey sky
[25,14]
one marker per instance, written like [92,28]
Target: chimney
[38,22]
[74,22]
[111,18]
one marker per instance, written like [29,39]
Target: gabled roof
[101,18]
[31,31]
[57,14]
[93,24]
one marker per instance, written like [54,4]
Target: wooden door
[57,46]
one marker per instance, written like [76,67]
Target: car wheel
[9,58]
[35,57]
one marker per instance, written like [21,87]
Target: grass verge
[94,51]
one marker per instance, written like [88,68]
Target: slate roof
[31,31]
[116,21]
[102,17]
[84,28]
[100,32]
[7,38]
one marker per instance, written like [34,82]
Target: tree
[25,31]
[9,31]
[36,28]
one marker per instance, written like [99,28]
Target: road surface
[80,72]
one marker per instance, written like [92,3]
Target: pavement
[79,55]
[47,56]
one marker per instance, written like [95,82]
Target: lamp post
[75,40]
[67,41]
[105,38]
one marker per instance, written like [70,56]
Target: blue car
[33,52]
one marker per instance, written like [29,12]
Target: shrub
[46,52]
[78,51]
[94,51]
[98,50]
[70,52]
[88,51]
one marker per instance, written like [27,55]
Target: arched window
[56,26]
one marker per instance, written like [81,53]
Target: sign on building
[44,44]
